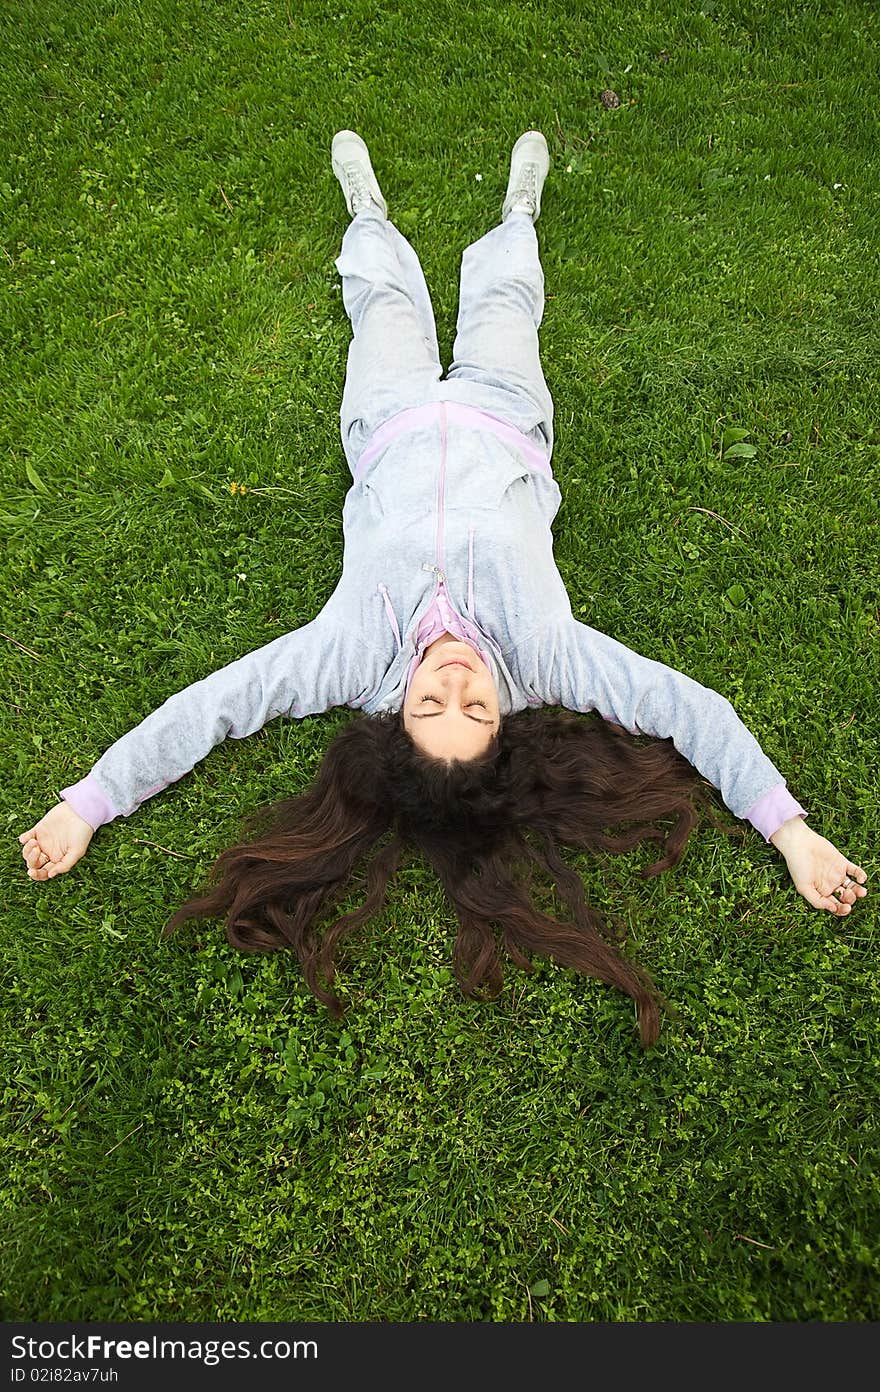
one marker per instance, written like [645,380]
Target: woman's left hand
[819,869]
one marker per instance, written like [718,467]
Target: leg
[496,364]
[393,359]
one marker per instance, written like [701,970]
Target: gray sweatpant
[393,359]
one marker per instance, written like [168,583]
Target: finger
[857,890]
[857,873]
[825,901]
[840,893]
[25,834]
[840,907]
[60,866]
[850,892]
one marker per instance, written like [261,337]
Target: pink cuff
[91,802]
[774,808]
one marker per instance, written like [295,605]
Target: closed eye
[439,702]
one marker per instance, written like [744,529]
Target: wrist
[792,830]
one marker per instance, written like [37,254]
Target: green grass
[187,1135]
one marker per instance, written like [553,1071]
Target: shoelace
[357,180]
[528,184]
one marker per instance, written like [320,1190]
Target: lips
[457,662]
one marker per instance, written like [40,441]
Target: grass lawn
[187,1135]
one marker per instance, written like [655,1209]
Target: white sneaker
[352,167]
[529,163]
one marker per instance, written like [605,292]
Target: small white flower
[766,177]
[837,186]
[478,178]
[568,169]
[242,576]
[52,262]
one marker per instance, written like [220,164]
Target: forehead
[448,735]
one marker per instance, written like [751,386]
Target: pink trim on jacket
[769,812]
[88,798]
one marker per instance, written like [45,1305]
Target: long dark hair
[548,776]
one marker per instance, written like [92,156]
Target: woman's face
[451,709]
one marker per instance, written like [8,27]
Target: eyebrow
[432,715]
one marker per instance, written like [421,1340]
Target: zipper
[437,565]
[441,488]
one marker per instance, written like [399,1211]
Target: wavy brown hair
[548,777]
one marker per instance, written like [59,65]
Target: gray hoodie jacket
[449,514]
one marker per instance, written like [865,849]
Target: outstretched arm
[583,669]
[301,673]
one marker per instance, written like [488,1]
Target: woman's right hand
[56,843]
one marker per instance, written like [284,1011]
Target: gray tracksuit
[447,526]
